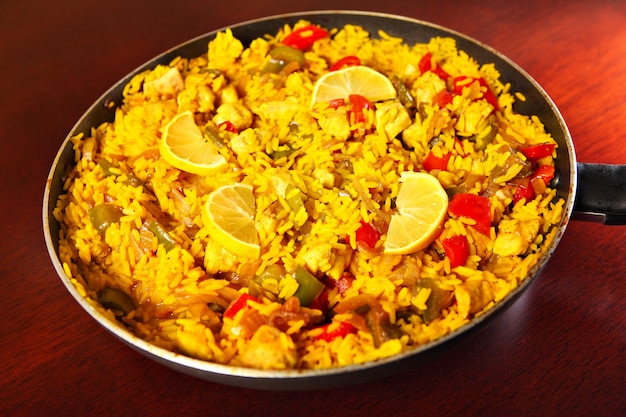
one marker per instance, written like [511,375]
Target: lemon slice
[422,204]
[230,212]
[360,80]
[184,147]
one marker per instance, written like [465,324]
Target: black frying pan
[590,191]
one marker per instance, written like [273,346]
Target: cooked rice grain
[315,178]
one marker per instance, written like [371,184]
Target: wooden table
[558,351]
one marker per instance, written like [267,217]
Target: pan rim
[294,379]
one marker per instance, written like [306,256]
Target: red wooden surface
[558,351]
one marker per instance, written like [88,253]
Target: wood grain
[558,351]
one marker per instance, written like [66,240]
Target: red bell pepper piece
[457,250]
[545,172]
[359,105]
[321,302]
[238,304]
[229,127]
[432,162]
[304,37]
[427,63]
[488,94]
[474,207]
[343,329]
[336,103]
[366,234]
[346,61]
[443,98]
[342,285]
[536,152]
[523,192]
[526,190]
[460,82]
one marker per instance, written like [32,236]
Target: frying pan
[590,191]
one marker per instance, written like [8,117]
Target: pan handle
[601,195]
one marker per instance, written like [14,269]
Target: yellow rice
[341,180]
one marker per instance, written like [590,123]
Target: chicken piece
[269,348]
[318,258]
[217,259]
[473,296]
[269,221]
[481,243]
[475,119]
[235,113]
[515,237]
[268,109]
[228,94]
[281,180]
[340,259]
[197,95]
[326,178]
[388,263]
[427,86]
[193,338]
[245,142]
[186,100]
[336,124]
[501,266]
[391,118]
[530,229]
[414,136]
[170,83]
[206,99]
[246,326]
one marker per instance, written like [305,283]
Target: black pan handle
[601,193]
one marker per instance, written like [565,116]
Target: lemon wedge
[230,212]
[184,147]
[422,204]
[361,80]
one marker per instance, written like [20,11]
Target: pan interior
[537,102]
